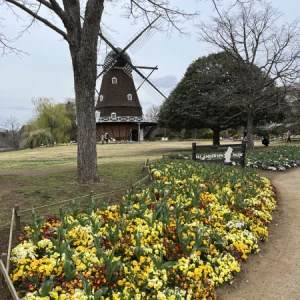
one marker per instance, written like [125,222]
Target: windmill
[118,109]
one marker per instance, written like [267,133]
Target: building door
[134,133]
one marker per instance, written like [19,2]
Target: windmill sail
[141,79]
[144,35]
[136,43]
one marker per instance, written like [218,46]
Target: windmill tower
[118,110]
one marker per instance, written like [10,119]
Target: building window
[101,98]
[114,116]
[114,80]
[129,97]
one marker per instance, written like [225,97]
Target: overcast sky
[47,71]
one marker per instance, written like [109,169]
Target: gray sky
[47,71]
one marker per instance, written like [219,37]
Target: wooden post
[193,151]
[150,175]
[10,239]
[18,218]
[243,158]
[146,164]
[139,131]
[3,258]
[8,282]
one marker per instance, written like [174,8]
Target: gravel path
[274,273]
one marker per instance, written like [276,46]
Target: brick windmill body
[118,109]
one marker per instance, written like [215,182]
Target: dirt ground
[274,273]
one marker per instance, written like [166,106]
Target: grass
[47,175]
[42,176]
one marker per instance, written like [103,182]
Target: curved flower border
[180,238]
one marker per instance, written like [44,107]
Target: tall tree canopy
[78,24]
[249,32]
[209,96]
[201,98]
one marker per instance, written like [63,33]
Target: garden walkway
[274,273]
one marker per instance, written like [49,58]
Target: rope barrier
[53,204]
[94,197]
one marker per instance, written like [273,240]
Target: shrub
[37,138]
[208,135]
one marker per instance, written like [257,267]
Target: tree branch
[39,18]
[144,9]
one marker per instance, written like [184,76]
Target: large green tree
[201,98]
[211,93]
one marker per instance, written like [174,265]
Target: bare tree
[80,24]
[12,129]
[6,43]
[248,31]
[152,112]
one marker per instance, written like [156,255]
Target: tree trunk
[250,119]
[83,48]
[216,136]
[87,171]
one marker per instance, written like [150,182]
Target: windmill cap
[112,54]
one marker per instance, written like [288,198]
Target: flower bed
[275,159]
[180,238]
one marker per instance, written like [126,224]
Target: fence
[4,271]
[16,219]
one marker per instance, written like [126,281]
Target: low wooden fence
[5,259]
[5,277]
[220,153]
[16,220]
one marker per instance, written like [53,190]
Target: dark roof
[115,95]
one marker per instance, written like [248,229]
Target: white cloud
[168,81]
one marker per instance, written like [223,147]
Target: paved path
[274,273]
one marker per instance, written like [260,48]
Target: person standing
[106,137]
[265,140]
[102,138]
[288,134]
